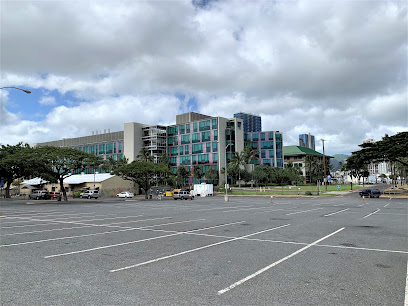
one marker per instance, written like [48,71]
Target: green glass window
[270,136]
[109,148]
[204,125]
[101,149]
[120,149]
[208,147]
[203,158]
[173,161]
[196,137]
[215,146]
[173,169]
[278,153]
[255,137]
[186,149]
[214,124]
[195,127]
[253,145]
[185,139]
[92,149]
[278,146]
[278,137]
[175,140]
[216,135]
[194,159]
[119,156]
[197,148]
[86,149]
[266,162]
[263,154]
[181,150]
[247,137]
[172,130]
[206,167]
[182,129]
[188,128]
[114,147]
[267,145]
[206,136]
[185,160]
[170,141]
[174,151]
[262,136]
[215,158]
[271,153]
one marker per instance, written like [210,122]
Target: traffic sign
[338,187]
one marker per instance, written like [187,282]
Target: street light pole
[25,90]
[324,167]
[226,176]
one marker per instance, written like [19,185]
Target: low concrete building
[106,183]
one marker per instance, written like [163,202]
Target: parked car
[372,193]
[125,194]
[89,194]
[182,195]
[39,194]
[54,195]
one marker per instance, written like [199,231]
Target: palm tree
[238,160]
[198,173]
[144,155]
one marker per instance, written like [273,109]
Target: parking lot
[248,251]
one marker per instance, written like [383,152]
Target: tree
[238,160]
[249,154]
[164,159]
[143,173]
[246,176]
[59,163]
[259,175]
[212,175]
[314,169]
[15,163]
[182,174]
[356,166]
[198,173]
[144,155]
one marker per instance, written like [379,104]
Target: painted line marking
[276,263]
[194,250]
[137,241]
[386,205]
[299,212]
[254,208]
[88,235]
[406,288]
[371,213]
[335,212]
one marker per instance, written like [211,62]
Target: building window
[279,163]
[109,148]
[208,147]
[247,137]
[278,137]
[267,145]
[194,159]
[255,137]
[206,136]
[173,169]
[195,127]
[215,146]
[215,157]
[216,135]
[186,150]
[270,136]
[120,149]
[92,149]
[214,124]
[185,139]
[173,151]
[266,162]
[263,154]
[172,130]
[204,125]
[185,160]
[239,125]
[101,149]
[181,150]
[119,156]
[197,148]
[175,140]
[262,136]
[196,138]
[278,153]
[114,147]
[170,141]
[203,159]
[271,153]
[173,161]
[188,128]
[182,129]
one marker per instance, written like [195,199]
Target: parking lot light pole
[226,176]
[25,90]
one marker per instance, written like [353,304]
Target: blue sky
[336,69]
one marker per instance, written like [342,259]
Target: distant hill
[338,158]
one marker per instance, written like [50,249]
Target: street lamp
[324,167]
[226,164]
[25,90]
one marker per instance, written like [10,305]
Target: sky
[335,69]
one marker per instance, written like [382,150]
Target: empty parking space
[248,251]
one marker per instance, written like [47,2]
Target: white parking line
[299,212]
[406,288]
[371,213]
[88,235]
[194,250]
[137,241]
[256,208]
[386,204]
[276,263]
[336,212]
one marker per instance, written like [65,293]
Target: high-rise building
[195,140]
[252,123]
[307,140]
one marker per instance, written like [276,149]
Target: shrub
[76,194]
[308,193]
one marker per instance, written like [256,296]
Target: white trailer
[203,189]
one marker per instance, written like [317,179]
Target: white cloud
[47,100]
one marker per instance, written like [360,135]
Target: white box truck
[203,189]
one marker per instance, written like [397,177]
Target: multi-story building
[196,140]
[307,141]
[252,123]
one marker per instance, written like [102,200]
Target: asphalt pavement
[248,251]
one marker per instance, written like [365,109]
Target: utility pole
[324,167]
